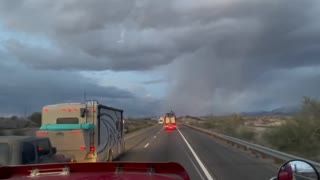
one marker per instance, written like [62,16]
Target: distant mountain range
[285,110]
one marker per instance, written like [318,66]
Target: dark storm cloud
[139,106]
[61,16]
[155,33]
[22,89]
[217,51]
[91,35]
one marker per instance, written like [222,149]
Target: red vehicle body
[286,173]
[119,171]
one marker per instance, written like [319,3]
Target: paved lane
[227,163]
[222,162]
[165,146]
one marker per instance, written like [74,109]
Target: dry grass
[298,135]
[132,125]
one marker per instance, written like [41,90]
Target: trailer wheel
[110,156]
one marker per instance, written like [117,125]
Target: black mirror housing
[83,112]
[54,150]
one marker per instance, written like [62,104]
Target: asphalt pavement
[200,154]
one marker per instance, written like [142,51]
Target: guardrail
[277,156]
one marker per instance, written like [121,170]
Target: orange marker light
[41,133]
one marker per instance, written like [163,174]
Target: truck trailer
[84,132]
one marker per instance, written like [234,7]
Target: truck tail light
[92,149]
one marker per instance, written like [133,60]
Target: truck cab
[84,132]
[23,150]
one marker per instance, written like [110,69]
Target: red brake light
[41,133]
[69,110]
[82,148]
[40,149]
[63,110]
[46,110]
[92,149]
[75,110]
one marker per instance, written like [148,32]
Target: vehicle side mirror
[83,112]
[297,169]
[54,150]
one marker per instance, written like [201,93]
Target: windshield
[222,87]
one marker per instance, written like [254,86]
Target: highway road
[207,159]
[200,154]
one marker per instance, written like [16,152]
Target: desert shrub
[301,135]
[245,133]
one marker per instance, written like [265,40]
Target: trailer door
[110,134]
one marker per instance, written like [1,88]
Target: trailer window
[67,121]
[4,154]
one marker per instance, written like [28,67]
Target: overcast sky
[147,57]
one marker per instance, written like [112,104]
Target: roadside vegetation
[301,135]
[132,125]
[230,125]
[14,122]
[298,134]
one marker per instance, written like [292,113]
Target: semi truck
[84,132]
[170,121]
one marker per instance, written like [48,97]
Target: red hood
[119,171]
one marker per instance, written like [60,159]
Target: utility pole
[25,112]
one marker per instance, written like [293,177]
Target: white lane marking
[154,137]
[204,169]
[195,166]
[146,145]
